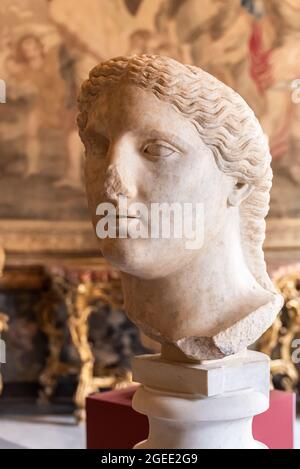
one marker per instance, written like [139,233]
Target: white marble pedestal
[207,406]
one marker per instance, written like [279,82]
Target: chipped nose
[114,186]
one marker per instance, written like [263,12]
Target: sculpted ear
[239,193]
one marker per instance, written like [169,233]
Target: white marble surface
[54,432]
[41,432]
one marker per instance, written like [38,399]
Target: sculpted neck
[211,293]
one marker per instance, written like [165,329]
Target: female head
[225,124]
[29,47]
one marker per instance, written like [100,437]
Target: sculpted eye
[100,144]
[96,144]
[159,150]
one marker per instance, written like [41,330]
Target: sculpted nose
[117,184]
[120,174]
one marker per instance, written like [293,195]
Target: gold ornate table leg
[77,291]
[79,311]
[78,316]
[47,321]
[54,367]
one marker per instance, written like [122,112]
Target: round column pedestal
[179,421]
[202,406]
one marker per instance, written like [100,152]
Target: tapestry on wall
[48,47]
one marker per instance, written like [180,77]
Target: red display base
[112,423]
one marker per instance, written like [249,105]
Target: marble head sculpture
[158,131]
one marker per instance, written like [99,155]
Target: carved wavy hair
[224,121]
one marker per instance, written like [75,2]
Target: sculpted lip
[127,216]
[123,217]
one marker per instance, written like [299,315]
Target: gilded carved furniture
[280,340]
[77,291]
[66,300]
